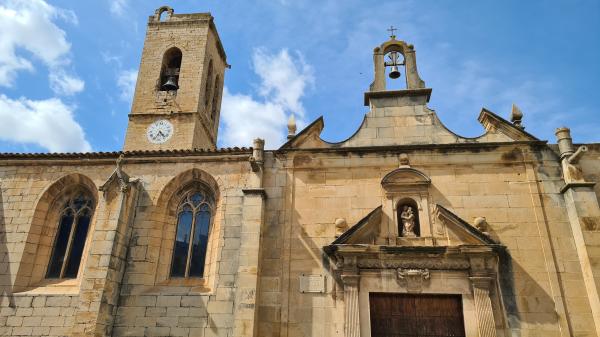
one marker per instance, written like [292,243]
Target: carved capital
[481,282]
[350,280]
[414,278]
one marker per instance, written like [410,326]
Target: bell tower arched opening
[395,71]
[169,73]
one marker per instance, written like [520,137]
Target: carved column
[351,312]
[483,306]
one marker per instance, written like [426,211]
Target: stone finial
[403,158]
[291,127]
[481,224]
[340,226]
[565,142]
[516,116]
[258,151]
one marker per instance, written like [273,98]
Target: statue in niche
[408,222]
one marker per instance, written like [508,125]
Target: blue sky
[67,67]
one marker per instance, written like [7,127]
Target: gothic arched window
[194,215]
[169,72]
[215,100]
[73,225]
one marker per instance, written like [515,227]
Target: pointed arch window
[73,226]
[194,218]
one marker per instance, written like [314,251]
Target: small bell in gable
[394,73]
[393,63]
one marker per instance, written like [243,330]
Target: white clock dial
[159,131]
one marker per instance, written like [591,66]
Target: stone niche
[406,191]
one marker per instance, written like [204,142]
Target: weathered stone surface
[533,269]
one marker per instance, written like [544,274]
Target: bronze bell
[395,73]
[170,84]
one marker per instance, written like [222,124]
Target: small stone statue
[408,222]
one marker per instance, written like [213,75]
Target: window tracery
[73,226]
[194,219]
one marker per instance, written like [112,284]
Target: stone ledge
[397,93]
[573,185]
[261,191]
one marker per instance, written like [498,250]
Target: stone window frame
[69,204]
[31,275]
[166,225]
[183,195]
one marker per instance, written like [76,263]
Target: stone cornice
[427,257]
[454,147]
[425,92]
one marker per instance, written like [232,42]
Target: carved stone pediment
[365,231]
[404,177]
[459,231]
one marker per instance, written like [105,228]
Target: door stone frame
[467,270]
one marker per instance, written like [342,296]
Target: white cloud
[118,7]
[126,83]
[284,80]
[64,84]
[29,25]
[47,123]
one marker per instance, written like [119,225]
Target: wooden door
[407,315]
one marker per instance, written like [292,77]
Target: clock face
[159,131]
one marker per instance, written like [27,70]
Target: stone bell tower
[180,84]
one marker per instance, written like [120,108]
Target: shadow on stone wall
[525,300]
[5,282]
[507,289]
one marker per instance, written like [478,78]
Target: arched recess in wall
[408,218]
[216,98]
[208,84]
[44,232]
[175,193]
[170,69]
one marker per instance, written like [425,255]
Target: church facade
[403,229]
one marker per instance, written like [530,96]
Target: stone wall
[123,280]
[125,290]
[515,187]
